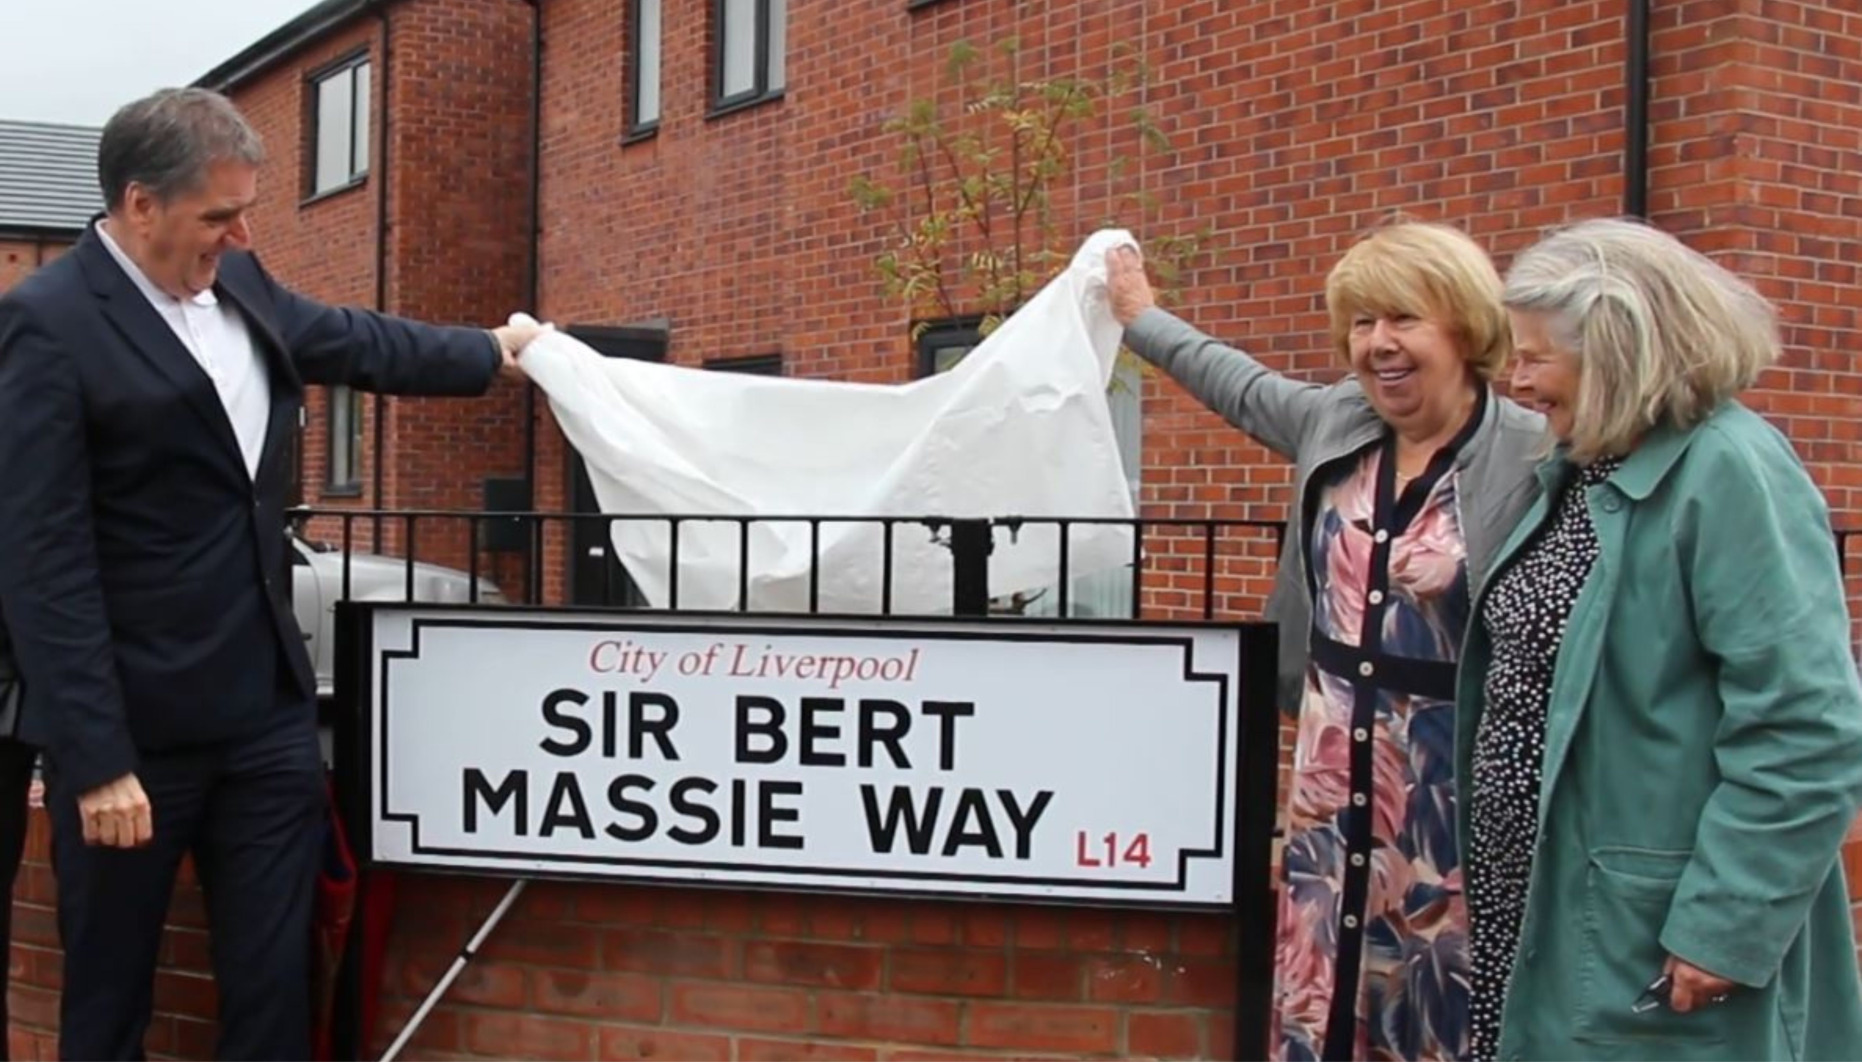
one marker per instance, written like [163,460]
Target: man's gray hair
[167,141]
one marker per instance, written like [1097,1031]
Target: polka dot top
[1524,617]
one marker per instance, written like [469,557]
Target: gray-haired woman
[1660,725]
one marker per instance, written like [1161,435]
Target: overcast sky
[76,61]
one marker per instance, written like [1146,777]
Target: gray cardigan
[1313,425]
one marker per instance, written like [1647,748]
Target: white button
[1361,734]
[1377,597]
[1366,669]
[1357,859]
[1382,535]
[1358,799]
[1351,921]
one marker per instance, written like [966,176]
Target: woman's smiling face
[1545,375]
[1410,366]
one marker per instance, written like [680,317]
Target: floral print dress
[1371,960]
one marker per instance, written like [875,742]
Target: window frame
[360,106]
[332,486]
[936,336]
[636,129]
[748,364]
[759,91]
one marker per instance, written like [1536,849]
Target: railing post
[971,542]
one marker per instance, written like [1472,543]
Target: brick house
[397,180]
[48,192]
[691,204]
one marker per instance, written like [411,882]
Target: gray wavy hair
[166,142]
[1661,332]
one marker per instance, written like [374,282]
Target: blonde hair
[1426,270]
[1660,331]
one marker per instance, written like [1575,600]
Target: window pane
[739,47]
[334,96]
[364,104]
[1125,398]
[646,103]
[946,358]
[342,455]
[355,435]
[778,43]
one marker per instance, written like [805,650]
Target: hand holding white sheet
[1019,428]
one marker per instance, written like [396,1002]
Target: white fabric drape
[1019,428]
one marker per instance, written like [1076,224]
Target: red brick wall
[458,244]
[1298,126]
[456,86]
[626,972]
[19,258]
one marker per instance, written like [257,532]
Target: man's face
[178,243]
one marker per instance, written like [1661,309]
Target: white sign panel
[1063,762]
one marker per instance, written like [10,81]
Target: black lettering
[625,805]
[814,730]
[973,805]
[901,808]
[737,812]
[568,791]
[659,727]
[555,716]
[768,815]
[514,789]
[684,805]
[1024,821]
[892,736]
[947,712]
[769,727]
[610,713]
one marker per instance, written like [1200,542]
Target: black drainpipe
[535,236]
[1636,113]
[379,173]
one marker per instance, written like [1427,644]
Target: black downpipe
[535,580]
[1636,113]
[379,174]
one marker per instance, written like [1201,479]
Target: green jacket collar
[1642,470]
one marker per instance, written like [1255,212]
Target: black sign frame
[1251,818]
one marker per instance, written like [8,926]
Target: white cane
[452,972]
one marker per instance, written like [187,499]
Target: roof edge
[18,233]
[274,47]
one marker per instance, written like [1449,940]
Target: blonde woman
[1408,474]
[1660,741]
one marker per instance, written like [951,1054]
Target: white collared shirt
[218,338]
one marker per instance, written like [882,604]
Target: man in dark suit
[150,380]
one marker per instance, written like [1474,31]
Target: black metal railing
[509,548]
[1178,550]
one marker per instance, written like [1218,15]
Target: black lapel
[150,337]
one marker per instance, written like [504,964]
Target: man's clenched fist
[116,814]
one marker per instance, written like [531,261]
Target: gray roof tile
[48,175]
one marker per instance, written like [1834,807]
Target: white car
[317,586]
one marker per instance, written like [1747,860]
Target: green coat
[1703,762]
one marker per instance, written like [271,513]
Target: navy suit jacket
[142,568]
